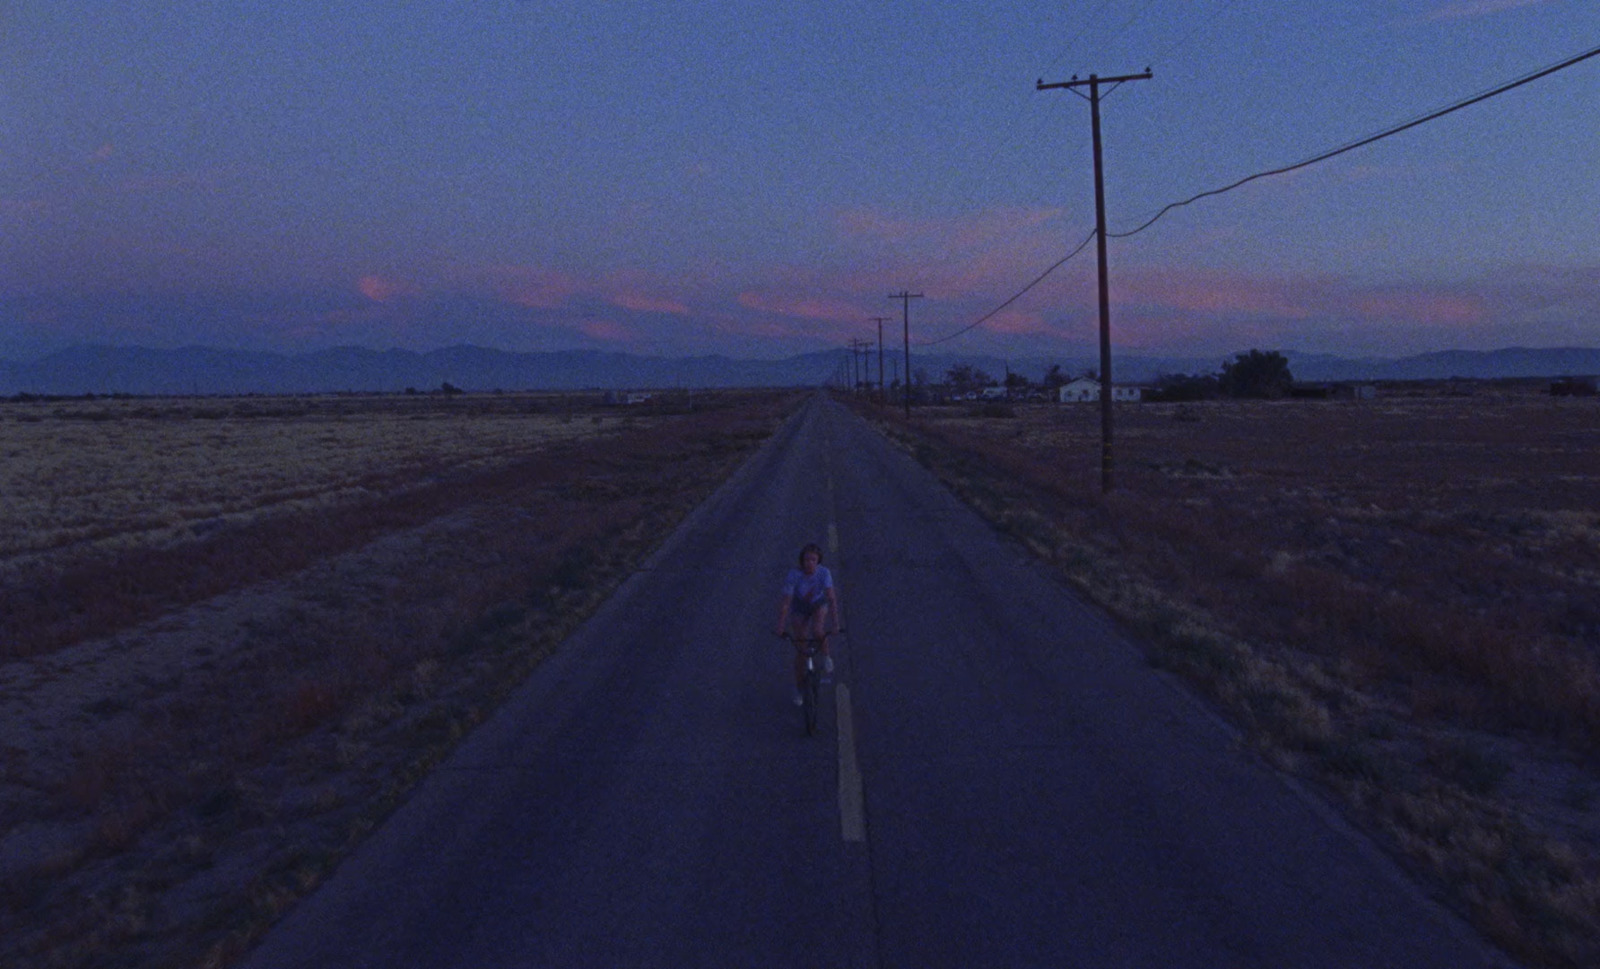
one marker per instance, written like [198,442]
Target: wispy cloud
[803,307]
[533,286]
[1420,308]
[1209,294]
[607,331]
[382,289]
[641,292]
[1470,9]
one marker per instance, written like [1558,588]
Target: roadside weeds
[1432,748]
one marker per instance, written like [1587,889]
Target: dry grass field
[234,632]
[1397,599]
[91,475]
[90,481]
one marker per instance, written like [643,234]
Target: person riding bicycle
[808,600]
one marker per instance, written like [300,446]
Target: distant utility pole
[905,297]
[1094,83]
[883,395]
[858,353]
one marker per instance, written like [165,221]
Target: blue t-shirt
[809,588]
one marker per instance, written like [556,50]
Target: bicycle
[811,688]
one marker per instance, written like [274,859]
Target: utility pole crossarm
[1092,79]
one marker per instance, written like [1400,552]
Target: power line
[1394,130]
[1018,295]
[1352,146]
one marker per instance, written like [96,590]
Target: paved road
[1001,780]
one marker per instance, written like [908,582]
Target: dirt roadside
[170,789]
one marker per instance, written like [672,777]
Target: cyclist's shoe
[799,700]
[827,664]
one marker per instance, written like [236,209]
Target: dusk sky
[754,178]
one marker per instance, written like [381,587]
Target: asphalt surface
[1000,779]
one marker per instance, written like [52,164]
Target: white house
[1086,389]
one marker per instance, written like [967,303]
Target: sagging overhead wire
[1352,146]
[1018,295]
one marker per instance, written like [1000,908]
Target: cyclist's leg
[797,634]
[819,622]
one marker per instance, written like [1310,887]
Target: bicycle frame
[810,690]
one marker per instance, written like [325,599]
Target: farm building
[1085,389]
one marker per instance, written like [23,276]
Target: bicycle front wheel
[810,696]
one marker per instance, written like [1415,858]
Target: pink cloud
[640,292]
[872,224]
[804,307]
[380,289]
[608,331]
[1432,309]
[1019,323]
[1211,293]
[533,287]
[641,303]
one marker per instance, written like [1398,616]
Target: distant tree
[449,388]
[1054,378]
[1183,387]
[1016,382]
[1259,374]
[964,378]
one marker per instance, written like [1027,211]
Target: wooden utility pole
[858,353]
[883,395]
[905,297]
[1094,83]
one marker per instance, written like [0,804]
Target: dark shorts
[805,609]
